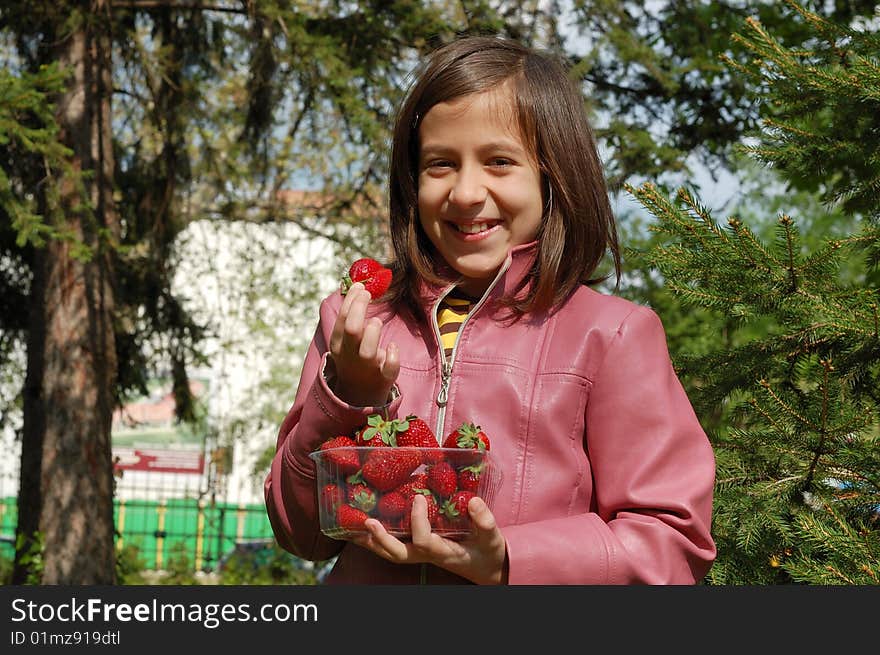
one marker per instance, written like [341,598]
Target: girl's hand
[365,372]
[480,558]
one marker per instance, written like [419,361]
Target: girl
[499,212]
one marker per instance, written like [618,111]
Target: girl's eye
[500,162]
[439,163]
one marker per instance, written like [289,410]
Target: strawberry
[455,509]
[387,468]
[375,277]
[350,518]
[378,432]
[469,477]
[442,479]
[467,435]
[362,497]
[414,431]
[433,512]
[417,482]
[340,453]
[392,505]
[331,497]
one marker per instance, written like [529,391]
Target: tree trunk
[73,394]
[29,494]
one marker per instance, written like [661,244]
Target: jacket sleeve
[316,415]
[653,475]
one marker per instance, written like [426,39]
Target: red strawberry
[331,497]
[392,505]
[362,497]
[433,512]
[467,435]
[457,504]
[469,477]
[375,277]
[455,509]
[350,518]
[387,468]
[340,453]
[417,482]
[442,479]
[414,431]
[378,432]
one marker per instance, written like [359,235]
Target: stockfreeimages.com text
[210,615]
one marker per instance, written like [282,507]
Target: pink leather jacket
[607,474]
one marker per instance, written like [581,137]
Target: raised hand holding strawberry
[362,371]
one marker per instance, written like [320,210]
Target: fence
[201,530]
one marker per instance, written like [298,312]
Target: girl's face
[479,186]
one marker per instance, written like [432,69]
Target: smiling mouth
[474,228]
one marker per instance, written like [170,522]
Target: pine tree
[798,457]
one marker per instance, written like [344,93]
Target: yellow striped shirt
[451,313]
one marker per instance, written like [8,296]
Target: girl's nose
[468,189]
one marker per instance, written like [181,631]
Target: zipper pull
[444,385]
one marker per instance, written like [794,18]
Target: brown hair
[553,123]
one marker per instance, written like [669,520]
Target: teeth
[473,228]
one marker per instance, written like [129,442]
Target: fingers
[338,333]
[391,365]
[482,519]
[354,320]
[383,544]
[370,340]
[420,526]
[354,335]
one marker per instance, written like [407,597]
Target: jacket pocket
[557,472]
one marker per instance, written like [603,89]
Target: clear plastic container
[354,483]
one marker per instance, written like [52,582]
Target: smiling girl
[499,213]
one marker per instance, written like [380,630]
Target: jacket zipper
[446,366]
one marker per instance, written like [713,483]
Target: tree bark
[73,394]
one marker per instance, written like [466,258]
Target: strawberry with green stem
[417,482]
[379,432]
[375,277]
[469,477]
[455,508]
[468,436]
[362,497]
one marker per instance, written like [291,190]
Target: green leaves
[790,392]
[28,132]
[821,129]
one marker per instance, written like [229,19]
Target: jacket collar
[515,268]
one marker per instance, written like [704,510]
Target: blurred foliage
[788,391]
